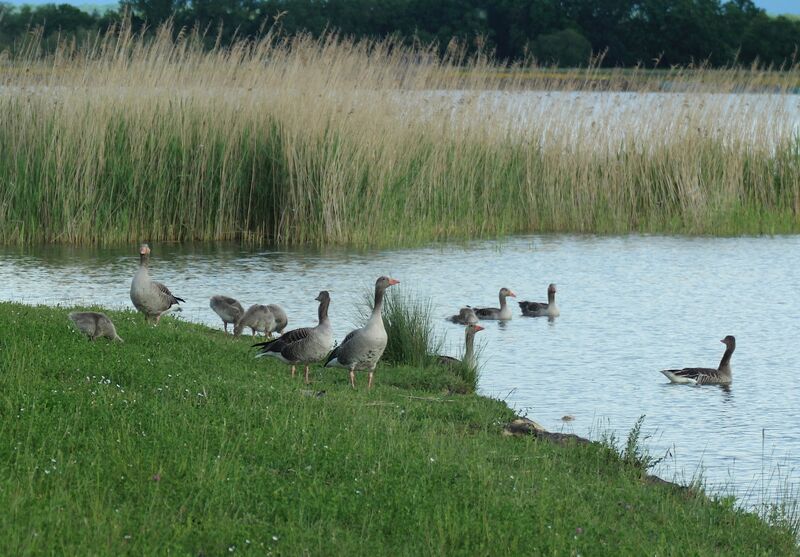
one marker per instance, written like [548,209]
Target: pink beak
[393,281]
[512,294]
[477,328]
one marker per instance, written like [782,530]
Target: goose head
[144,253]
[473,328]
[504,292]
[385,282]
[324,296]
[551,289]
[729,341]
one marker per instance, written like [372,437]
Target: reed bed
[296,140]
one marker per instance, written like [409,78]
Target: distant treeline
[565,32]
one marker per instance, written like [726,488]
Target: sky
[772,6]
[780,6]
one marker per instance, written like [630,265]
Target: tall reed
[296,140]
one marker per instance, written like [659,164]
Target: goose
[259,318]
[469,353]
[503,314]
[229,309]
[704,375]
[540,309]
[94,325]
[152,298]
[465,316]
[303,346]
[362,348]
[280,318]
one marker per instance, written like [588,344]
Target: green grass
[179,442]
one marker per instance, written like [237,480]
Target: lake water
[630,306]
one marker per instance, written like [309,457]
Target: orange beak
[477,328]
[393,281]
[512,294]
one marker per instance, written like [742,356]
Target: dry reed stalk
[297,140]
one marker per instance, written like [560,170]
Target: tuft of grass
[295,140]
[179,441]
[412,338]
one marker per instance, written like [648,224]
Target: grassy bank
[296,141]
[179,441]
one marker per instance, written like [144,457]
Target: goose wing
[168,296]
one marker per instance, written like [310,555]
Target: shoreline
[179,439]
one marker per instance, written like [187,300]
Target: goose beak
[478,328]
[510,293]
[392,282]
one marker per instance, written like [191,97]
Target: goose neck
[322,313]
[725,362]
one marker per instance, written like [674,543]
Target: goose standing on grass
[362,348]
[704,375]
[259,318]
[303,346]
[280,318]
[469,352]
[540,309]
[465,316]
[152,298]
[229,309]
[94,325]
[502,313]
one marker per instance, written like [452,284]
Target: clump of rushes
[413,341]
[296,140]
[409,325]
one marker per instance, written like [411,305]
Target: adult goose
[465,316]
[502,313]
[94,325]
[302,346]
[362,348]
[469,352]
[152,298]
[259,318]
[229,309]
[540,309]
[704,375]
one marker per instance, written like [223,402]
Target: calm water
[629,307]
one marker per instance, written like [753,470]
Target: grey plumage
[151,298]
[541,309]
[707,376]
[465,316]
[305,345]
[502,313]
[229,309]
[258,317]
[363,348]
[469,348]
[94,325]
[281,320]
